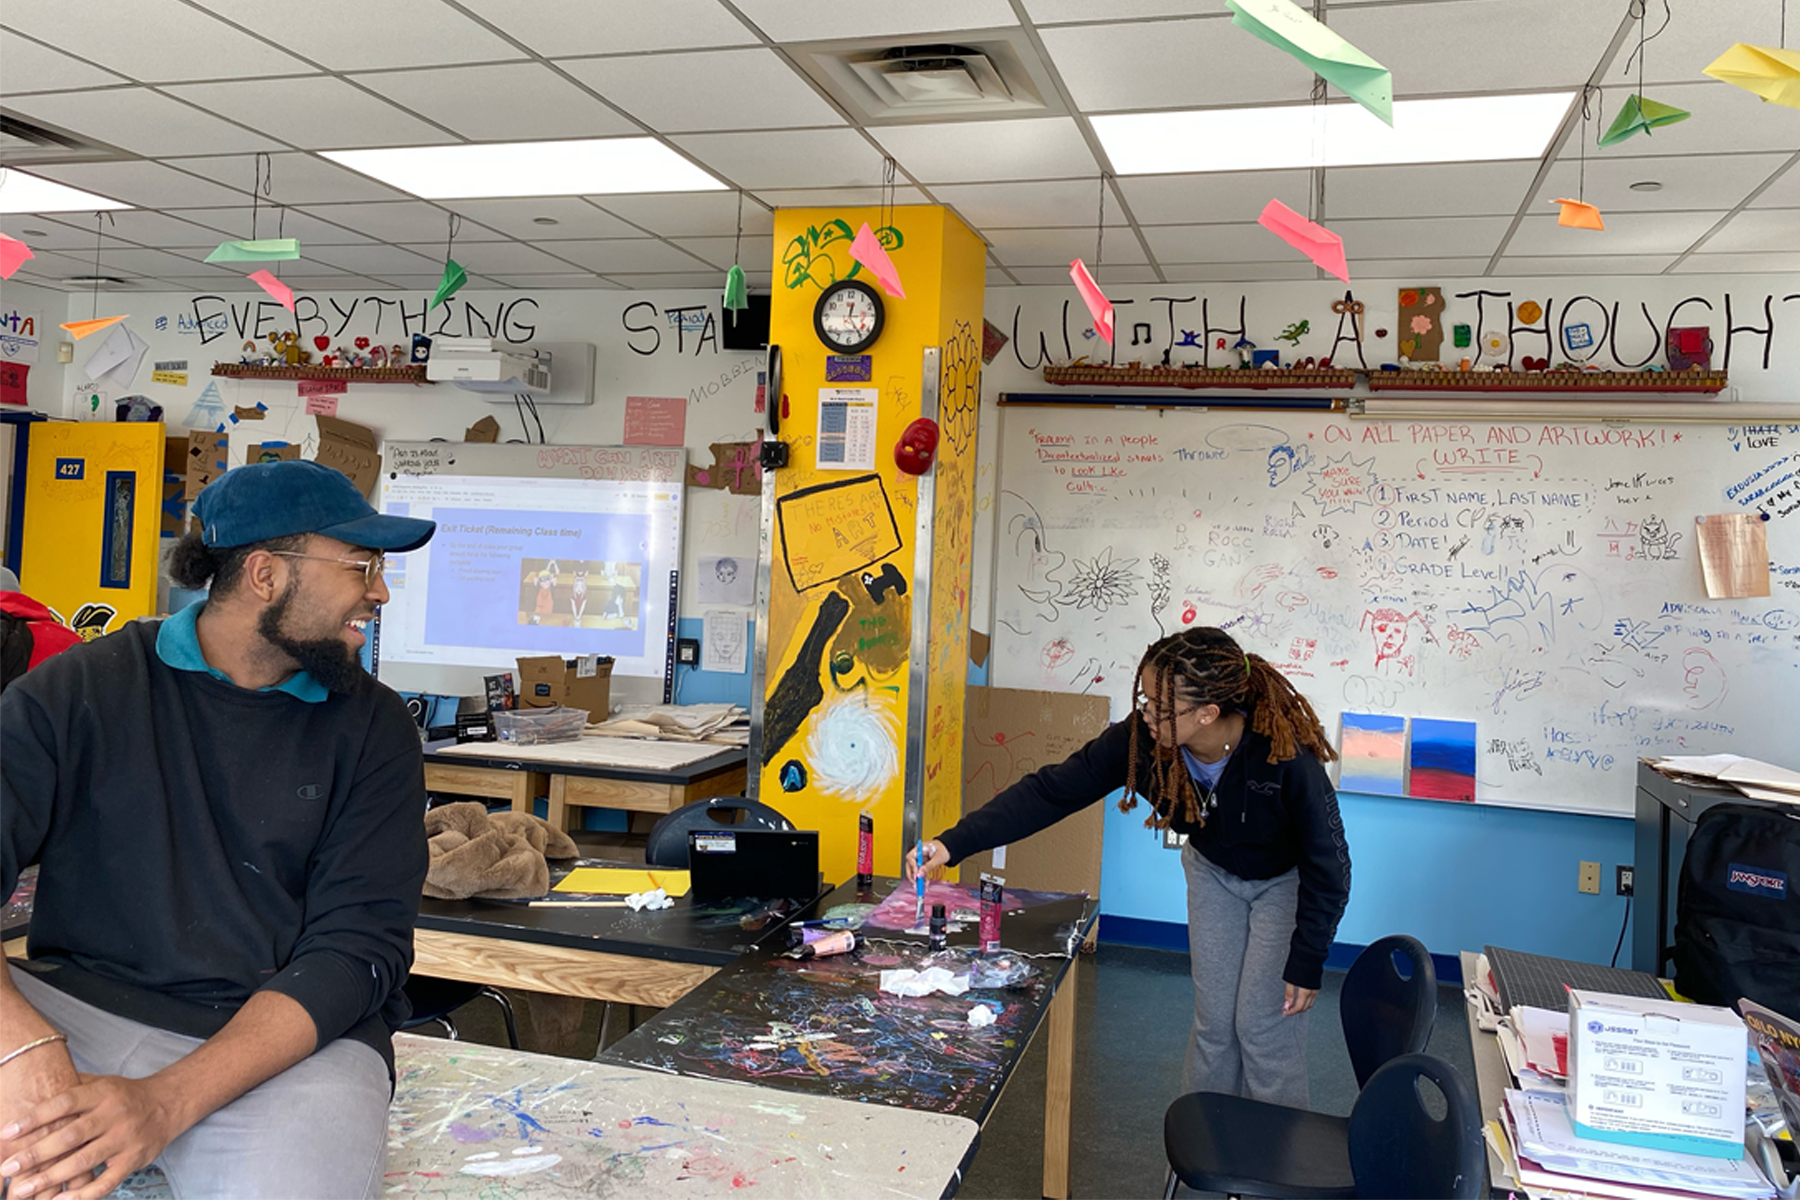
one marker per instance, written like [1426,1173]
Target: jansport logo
[1757,881]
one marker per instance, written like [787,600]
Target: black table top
[824,1026]
[494,756]
[712,934]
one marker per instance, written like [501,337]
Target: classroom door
[93,499]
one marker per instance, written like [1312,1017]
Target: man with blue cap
[226,811]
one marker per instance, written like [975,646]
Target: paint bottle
[938,921]
[829,942]
[865,851]
[993,893]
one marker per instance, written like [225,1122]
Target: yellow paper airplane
[1577,215]
[80,329]
[1769,72]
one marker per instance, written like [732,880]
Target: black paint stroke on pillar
[800,689]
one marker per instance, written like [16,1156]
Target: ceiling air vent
[988,74]
[933,75]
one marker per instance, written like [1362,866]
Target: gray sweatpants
[1238,932]
[318,1129]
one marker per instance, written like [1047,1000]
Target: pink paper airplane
[1318,243]
[1097,302]
[13,254]
[868,250]
[274,287]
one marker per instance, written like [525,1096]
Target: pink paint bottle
[865,851]
[993,894]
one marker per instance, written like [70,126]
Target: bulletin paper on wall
[847,417]
[724,640]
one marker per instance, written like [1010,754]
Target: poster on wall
[846,439]
[19,337]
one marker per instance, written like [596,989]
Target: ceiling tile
[352,35]
[1420,237]
[755,251]
[1719,181]
[535,283]
[1698,32]
[688,213]
[1156,64]
[1625,233]
[574,217]
[816,20]
[613,255]
[1589,264]
[62,265]
[145,184]
[1049,12]
[1232,195]
[1106,277]
[315,113]
[1773,229]
[1725,120]
[979,151]
[219,284]
[1238,272]
[1738,264]
[401,221]
[42,233]
[502,258]
[1022,205]
[140,260]
[31,67]
[1248,242]
[1433,190]
[141,121]
[1050,247]
[296,178]
[1415,268]
[281,222]
[1462,46]
[1784,192]
[850,197]
[504,102]
[377,259]
[753,88]
[173,42]
[562,27]
[806,158]
[672,279]
[148,228]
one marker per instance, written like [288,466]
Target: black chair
[1401,1149]
[1220,1143]
[433,1000]
[668,846]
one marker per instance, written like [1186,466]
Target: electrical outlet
[1590,878]
[1627,875]
[687,651]
[1173,840]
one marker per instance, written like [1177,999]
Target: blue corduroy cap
[277,499]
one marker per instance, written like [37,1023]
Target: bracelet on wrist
[43,1041]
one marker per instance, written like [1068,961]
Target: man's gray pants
[317,1130]
[1238,936]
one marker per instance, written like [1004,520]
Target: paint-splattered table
[824,1028]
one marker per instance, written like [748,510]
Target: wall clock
[848,316]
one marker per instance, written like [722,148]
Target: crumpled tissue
[649,901]
[981,1016]
[905,982]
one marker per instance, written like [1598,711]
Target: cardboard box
[1656,1074]
[352,449]
[261,452]
[1007,734]
[546,681]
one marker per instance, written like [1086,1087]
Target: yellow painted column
[846,549]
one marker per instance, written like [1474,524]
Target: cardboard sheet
[622,881]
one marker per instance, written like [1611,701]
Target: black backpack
[16,644]
[1737,917]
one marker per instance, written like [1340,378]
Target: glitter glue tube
[993,892]
[938,921]
[865,851]
[837,941]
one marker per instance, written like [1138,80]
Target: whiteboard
[1539,579]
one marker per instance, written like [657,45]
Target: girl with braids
[1224,750]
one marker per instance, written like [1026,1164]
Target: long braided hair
[1203,665]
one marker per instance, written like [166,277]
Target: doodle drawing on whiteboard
[1703,678]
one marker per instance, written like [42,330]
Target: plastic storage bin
[535,726]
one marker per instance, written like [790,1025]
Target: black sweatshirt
[200,842]
[1271,818]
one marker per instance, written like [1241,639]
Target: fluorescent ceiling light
[1463,129]
[22,193]
[592,167]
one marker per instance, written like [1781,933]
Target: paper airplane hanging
[1290,29]
[1773,74]
[266,250]
[13,254]
[118,357]
[268,283]
[1577,215]
[868,250]
[80,329]
[454,278]
[1097,303]
[1318,243]
[736,292]
[1640,115]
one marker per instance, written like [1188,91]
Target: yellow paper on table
[1292,30]
[1769,72]
[623,881]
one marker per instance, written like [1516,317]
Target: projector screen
[565,550]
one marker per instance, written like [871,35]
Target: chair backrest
[669,837]
[1388,1003]
[1415,1133]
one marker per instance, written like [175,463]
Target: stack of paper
[1753,777]
[1535,1044]
[726,724]
[1540,1148]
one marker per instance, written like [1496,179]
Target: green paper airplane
[454,278]
[265,250]
[1638,115]
[736,291]
[1291,30]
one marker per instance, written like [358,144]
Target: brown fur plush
[502,855]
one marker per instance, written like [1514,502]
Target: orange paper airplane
[80,329]
[1578,215]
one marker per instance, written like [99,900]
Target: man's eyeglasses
[372,567]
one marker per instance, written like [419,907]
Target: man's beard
[326,659]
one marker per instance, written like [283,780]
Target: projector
[477,365]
